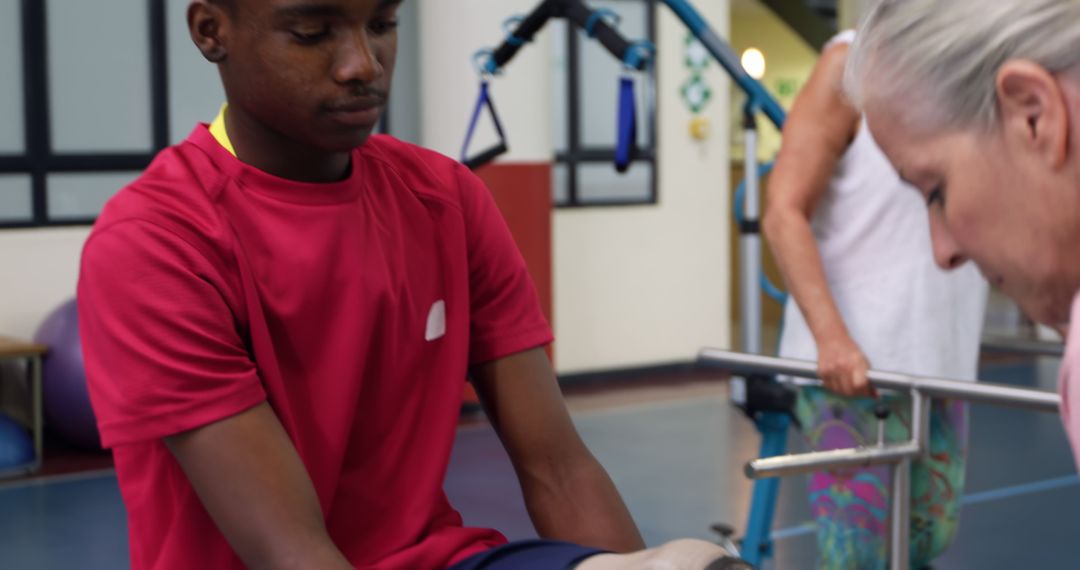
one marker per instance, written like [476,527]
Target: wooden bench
[31,353]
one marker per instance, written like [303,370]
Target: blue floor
[678,465]
[76,522]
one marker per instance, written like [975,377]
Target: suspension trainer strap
[626,141]
[483,102]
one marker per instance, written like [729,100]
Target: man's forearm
[581,506]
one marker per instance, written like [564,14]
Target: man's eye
[381,27]
[310,36]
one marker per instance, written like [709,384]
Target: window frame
[38,160]
[577,154]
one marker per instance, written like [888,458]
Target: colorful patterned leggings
[851,507]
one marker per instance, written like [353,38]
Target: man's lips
[358,113]
[357,105]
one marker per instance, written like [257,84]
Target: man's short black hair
[228,5]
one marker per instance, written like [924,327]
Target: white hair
[944,55]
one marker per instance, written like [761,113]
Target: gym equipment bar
[899,456]
[983,392]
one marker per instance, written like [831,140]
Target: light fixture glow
[753,61]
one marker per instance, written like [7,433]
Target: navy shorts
[529,555]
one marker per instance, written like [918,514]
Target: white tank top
[905,313]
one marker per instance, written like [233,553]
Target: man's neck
[272,152]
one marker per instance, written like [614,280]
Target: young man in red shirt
[278,315]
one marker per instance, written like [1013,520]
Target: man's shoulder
[423,170]
[174,194]
[394,151]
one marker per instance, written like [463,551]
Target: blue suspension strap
[627,128]
[626,134]
[483,102]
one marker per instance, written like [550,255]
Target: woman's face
[998,199]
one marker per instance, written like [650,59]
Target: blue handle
[627,129]
[482,102]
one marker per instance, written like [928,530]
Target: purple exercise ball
[66,400]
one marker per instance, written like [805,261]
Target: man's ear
[1034,112]
[208,24]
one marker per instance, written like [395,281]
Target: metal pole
[920,420]
[900,523]
[833,459]
[985,392]
[36,403]
[749,254]
[749,293]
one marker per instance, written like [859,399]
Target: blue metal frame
[759,98]
[756,543]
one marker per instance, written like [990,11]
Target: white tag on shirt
[436,321]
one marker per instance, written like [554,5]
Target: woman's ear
[1034,112]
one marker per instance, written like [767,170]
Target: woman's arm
[817,133]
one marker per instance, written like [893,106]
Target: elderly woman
[853,245]
[977,105]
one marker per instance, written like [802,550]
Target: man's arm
[251,480]
[817,133]
[569,495]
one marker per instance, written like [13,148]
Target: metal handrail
[899,456]
[983,392]
[782,465]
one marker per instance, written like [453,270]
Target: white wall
[40,269]
[645,285]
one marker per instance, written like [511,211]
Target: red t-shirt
[353,308]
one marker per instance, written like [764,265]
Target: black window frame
[577,154]
[38,160]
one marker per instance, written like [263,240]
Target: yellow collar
[217,128]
